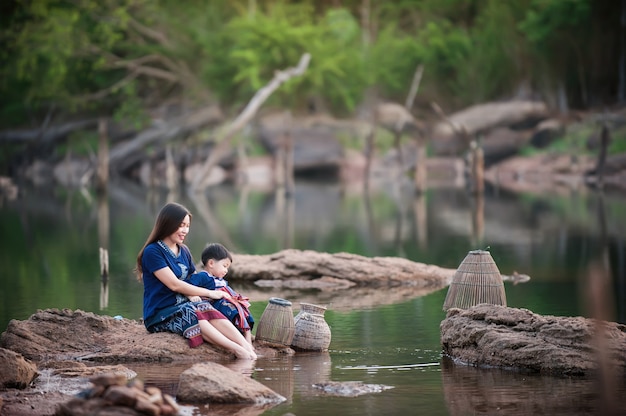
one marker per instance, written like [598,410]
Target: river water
[50,250]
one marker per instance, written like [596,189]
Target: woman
[163,264]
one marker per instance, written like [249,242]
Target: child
[216,260]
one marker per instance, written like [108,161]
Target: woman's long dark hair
[167,222]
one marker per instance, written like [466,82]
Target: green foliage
[51,42]
[277,38]
[495,61]
[548,21]
[121,56]
[394,58]
[446,49]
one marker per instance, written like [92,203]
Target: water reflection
[302,370]
[475,391]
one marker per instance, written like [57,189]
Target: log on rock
[498,336]
[483,117]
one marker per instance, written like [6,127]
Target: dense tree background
[122,57]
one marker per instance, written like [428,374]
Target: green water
[50,259]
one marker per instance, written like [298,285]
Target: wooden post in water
[605,140]
[420,165]
[289,164]
[102,175]
[103,240]
[102,187]
[279,164]
[478,219]
[477,168]
[421,219]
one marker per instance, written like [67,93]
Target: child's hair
[215,251]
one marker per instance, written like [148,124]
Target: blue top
[202,279]
[157,296]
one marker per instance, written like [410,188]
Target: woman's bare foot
[243,354]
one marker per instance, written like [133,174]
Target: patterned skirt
[183,319]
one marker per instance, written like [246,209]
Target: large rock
[16,371]
[214,383]
[480,119]
[315,147]
[316,269]
[78,335]
[498,336]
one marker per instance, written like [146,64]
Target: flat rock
[349,388]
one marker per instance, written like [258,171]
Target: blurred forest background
[74,59]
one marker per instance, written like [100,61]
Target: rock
[310,267]
[16,371]
[112,395]
[503,142]
[73,335]
[546,132]
[60,339]
[214,383]
[498,336]
[397,119]
[349,388]
[316,148]
[480,119]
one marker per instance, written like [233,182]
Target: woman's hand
[218,294]
[194,298]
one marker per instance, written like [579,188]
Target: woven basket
[477,280]
[276,324]
[312,331]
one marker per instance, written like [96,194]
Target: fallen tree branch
[259,98]
[46,134]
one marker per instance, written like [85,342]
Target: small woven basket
[276,323]
[312,331]
[477,280]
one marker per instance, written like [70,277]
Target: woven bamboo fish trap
[312,331]
[477,280]
[276,323]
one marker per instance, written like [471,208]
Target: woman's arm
[169,279]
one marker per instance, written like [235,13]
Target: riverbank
[491,336]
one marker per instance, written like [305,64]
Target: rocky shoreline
[55,355]
[46,364]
